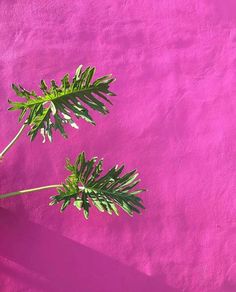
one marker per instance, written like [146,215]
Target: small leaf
[78,204]
[98,204]
[44,87]
[65,204]
[17,90]
[78,72]
[53,108]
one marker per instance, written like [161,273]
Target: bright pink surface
[174,118]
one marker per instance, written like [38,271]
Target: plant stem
[13,141]
[28,191]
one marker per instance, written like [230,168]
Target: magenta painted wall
[174,118]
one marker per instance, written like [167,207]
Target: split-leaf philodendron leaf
[57,104]
[86,186]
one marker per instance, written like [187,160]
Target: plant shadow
[64,264]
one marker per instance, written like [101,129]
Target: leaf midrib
[48,98]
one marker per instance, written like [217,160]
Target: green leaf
[71,99]
[78,72]
[65,204]
[85,184]
[44,87]
[99,205]
[78,204]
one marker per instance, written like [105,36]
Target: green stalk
[29,191]
[12,142]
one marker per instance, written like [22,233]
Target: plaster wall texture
[174,119]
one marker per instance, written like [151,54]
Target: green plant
[58,106]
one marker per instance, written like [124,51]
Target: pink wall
[174,118]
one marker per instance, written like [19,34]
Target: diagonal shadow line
[66,264]
[21,276]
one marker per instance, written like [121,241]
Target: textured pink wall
[174,119]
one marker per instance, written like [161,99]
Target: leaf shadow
[65,265]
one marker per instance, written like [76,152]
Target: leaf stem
[13,141]
[28,191]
